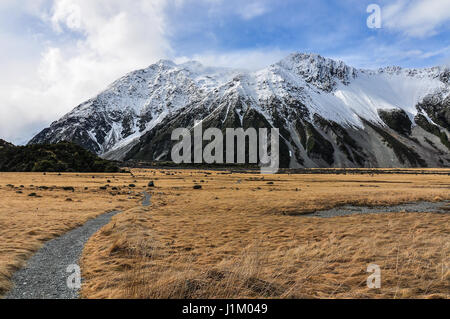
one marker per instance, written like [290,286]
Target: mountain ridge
[300,90]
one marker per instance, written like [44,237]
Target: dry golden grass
[243,235]
[27,222]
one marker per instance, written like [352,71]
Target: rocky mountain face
[329,114]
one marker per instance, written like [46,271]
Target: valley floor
[58,203]
[240,235]
[244,235]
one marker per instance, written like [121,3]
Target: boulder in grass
[151,184]
[198,187]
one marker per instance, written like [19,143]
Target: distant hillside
[4,144]
[61,157]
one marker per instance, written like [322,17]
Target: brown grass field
[27,222]
[240,236]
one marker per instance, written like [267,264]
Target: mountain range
[329,114]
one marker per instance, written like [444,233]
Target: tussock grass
[61,204]
[238,238]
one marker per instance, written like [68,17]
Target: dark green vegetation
[4,145]
[61,157]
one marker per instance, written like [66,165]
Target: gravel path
[45,276]
[418,207]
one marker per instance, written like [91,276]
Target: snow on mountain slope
[304,87]
[134,104]
[343,94]
[368,93]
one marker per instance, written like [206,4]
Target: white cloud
[107,38]
[244,59]
[252,9]
[372,55]
[417,18]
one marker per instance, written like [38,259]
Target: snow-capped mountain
[329,114]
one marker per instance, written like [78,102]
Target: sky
[55,54]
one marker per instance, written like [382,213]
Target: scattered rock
[198,187]
[151,184]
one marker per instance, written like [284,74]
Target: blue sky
[331,28]
[57,53]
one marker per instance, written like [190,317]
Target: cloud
[372,54]
[252,9]
[417,18]
[96,43]
[239,59]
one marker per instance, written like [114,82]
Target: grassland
[239,236]
[58,204]
[245,235]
